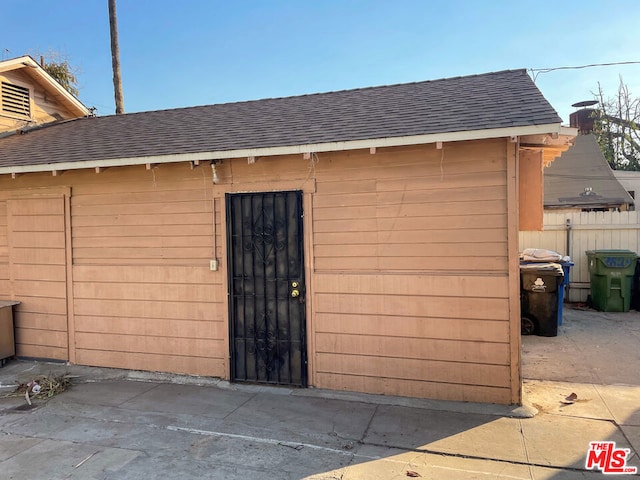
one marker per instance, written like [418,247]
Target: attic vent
[15,99]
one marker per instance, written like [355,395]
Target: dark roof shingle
[487,101]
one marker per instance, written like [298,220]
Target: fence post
[568,223]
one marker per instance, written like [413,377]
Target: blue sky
[196,52]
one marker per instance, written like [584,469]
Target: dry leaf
[42,387]
[411,473]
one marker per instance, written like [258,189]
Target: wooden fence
[576,232]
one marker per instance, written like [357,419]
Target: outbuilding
[362,240]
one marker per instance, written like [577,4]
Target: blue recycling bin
[566,268]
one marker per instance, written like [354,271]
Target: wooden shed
[361,240]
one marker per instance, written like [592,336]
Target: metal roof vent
[15,99]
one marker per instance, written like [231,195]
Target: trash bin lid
[546,268]
[611,259]
[612,252]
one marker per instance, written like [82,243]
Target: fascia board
[292,149]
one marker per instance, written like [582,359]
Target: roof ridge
[330,92]
[41,126]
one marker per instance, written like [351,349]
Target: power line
[537,71]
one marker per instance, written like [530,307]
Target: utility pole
[115,58]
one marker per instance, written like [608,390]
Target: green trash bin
[611,274]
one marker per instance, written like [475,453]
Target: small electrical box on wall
[213,265]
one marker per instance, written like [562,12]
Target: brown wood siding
[411,272]
[164,318]
[531,190]
[430,210]
[37,246]
[5,284]
[515,337]
[144,297]
[408,281]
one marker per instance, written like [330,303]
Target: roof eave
[604,204]
[551,128]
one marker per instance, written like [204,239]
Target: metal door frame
[230,278]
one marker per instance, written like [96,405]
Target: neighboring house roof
[490,105]
[39,75]
[582,178]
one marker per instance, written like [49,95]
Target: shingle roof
[583,167]
[487,101]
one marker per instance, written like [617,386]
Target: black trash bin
[540,284]
[635,288]
[7,342]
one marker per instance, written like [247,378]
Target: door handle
[295,290]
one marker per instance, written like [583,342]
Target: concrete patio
[118,424]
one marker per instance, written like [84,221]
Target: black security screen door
[266,285]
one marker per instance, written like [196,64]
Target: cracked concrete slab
[12,445]
[551,397]
[470,434]
[305,415]
[103,464]
[109,393]
[52,458]
[623,402]
[564,441]
[189,399]
[124,429]
[633,436]
[444,468]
